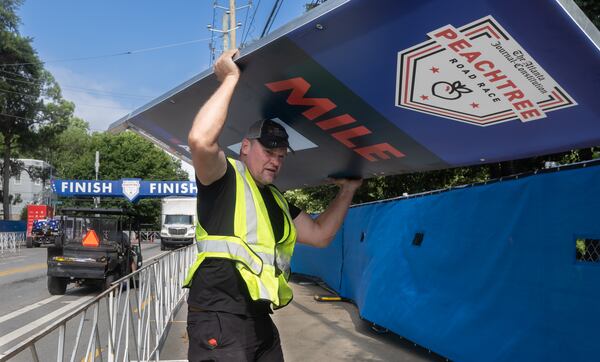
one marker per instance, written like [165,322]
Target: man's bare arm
[320,231]
[208,158]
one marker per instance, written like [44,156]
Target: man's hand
[320,231]
[209,160]
[225,67]
[347,184]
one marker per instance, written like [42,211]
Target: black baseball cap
[269,133]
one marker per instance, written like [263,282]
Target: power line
[78,103]
[10,115]
[276,13]
[78,89]
[18,74]
[112,94]
[23,94]
[36,120]
[99,106]
[130,52]
[248,29]
[167,46]
[246,19]
[272,17]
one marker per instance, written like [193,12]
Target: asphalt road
[26,306]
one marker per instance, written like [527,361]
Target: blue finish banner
[132,189]
[507,271]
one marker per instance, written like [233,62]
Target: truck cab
[178,222]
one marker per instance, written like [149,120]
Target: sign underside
[368,88]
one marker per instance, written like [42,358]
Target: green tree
[63,150]
[31,106]
[315,199]
[591,8]
[128,155]
[123,155]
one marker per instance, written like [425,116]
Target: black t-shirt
[217,284]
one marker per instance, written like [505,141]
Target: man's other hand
[225,67]
[347,184]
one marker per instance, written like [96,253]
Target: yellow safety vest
[262,261]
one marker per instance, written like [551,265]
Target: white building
[30,191]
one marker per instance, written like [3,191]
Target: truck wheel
[57,286]
[29,243]
[163,247]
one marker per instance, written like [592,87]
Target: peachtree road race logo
[476,74]
[131,189]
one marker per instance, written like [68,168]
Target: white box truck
[178,222]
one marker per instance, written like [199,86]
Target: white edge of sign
[582,21]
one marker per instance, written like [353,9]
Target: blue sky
[105,89]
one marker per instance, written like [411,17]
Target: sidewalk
[317,331]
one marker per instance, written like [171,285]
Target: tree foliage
[36,122]
[123,155]
[128,155]
[31,106]
[591,8]
[315,199]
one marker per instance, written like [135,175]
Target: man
[245,234]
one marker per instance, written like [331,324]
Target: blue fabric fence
[13,226]
[495,278]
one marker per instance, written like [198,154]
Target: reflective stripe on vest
[248,228]
[262,261]
[282,257]
[235,250]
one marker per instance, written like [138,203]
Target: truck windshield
[107,229]
[178,219]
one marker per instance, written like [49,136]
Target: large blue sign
[382,87]
[132,189]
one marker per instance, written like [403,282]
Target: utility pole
[226,31]
[229,25]
[233,25]
[97,167]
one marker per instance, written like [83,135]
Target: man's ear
[245,146]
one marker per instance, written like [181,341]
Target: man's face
[263,163]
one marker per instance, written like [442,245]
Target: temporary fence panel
[127,322]
[11,242]
[149,236]
[506,271]
[327,264]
